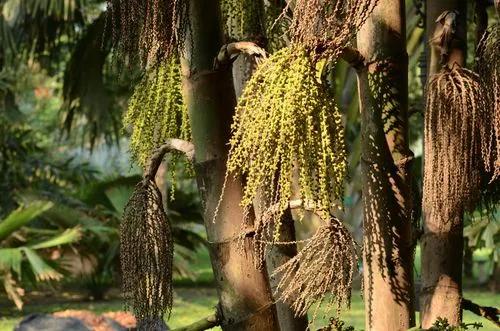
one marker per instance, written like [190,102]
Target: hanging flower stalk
[152,29]
[156,112]
[286,118]
[146,245]
[457,139]
[146,254]
[322,271]
[328,25]
[488,61]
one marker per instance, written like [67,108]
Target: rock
[114,325]
[46,322]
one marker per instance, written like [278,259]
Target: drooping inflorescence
[457,138]
[321,271]
[328,26]
[153,29]
[156,111]
[286,120]
[488,64]
[146,254]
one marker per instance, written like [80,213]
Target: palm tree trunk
[244,293]
[386,160]
[442,242]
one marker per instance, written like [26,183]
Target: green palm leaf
[22,216]
[67,237]
[40,268]
[10,259]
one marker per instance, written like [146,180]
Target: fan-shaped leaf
[21,217]
[67,237]
[10,259]
[40,268]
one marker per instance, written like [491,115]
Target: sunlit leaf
[14,292]
[40,268]
[67,237]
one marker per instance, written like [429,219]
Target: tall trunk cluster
[306,114]
[386,160]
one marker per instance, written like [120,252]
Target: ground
[195,299]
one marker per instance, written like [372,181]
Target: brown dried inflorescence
[328,25]
[146,253]
[488,64]
[457,140]
[152,28]
[321,271]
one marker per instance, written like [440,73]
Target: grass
[196,298]
[192,304]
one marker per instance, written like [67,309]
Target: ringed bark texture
[244,292]
[386,161]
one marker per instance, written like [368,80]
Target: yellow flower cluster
[286,123]
[156,111]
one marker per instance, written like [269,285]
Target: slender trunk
[244,293]
[277,255]
[386,160]
[442,242]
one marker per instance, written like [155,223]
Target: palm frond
[21,217]
[10,259]
[38,27]
[41,269]
[87,99]
[69,236]
[13,291]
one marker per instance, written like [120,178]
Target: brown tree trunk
[244,293]
[442,242]
[386,159]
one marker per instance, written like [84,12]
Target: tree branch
[203,324]
[229,52]
[171,145]
[490,313]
